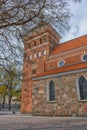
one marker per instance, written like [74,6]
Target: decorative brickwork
[42,55]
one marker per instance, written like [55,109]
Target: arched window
[30,57]
[82,88]
[35,55]
[45,52]
[39,54]
[51,91]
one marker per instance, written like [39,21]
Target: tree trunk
[3,104]
[9,103]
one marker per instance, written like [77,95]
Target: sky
[78,22]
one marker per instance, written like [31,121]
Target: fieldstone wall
[67,102]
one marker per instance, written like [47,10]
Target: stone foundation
[66,94]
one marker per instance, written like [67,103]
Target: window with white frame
[30,57]
[82,84]
[27,59]
[45,52]
[61,63]
[35,55]
[84,58]
[39,54]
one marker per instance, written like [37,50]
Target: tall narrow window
[45,52]
[39,54]
[34,71]
[35,55]
[83,88]
[26,59]
[44,38]
[51,91]
[30,57]
[29,45]
[41,41]
[34,44]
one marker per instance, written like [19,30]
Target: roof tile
[69,45]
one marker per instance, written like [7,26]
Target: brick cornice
[60,74]
[68,52]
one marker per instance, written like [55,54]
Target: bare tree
[18,16]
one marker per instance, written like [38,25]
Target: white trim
[58,64]
[30,57]
[39,54]
[63,56]
[60,74]
[45,52]
[27,59]
[69,52]
[41,44]
[37,46]
[40,36]
[35,55]
[82,57]
[53,37]
[36,37]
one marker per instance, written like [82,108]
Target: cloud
[78,22]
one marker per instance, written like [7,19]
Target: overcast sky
[78,22]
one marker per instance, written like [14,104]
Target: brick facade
[42,56]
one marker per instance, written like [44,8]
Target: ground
[27,122]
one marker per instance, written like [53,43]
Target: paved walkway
[25,122]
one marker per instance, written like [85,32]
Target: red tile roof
[63,69]
[69,45]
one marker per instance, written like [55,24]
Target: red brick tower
[38,44]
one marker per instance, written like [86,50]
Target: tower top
[41,28]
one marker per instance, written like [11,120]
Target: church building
[54,75]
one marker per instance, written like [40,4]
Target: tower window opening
[41,41]
[34,44]
[34,71]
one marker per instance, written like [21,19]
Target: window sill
[54,101]
[82,100]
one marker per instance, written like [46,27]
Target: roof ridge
[70,42]
[74,38]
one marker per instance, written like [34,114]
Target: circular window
[84,57]
[61,63]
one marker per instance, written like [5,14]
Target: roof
[64,47]
[69,45]
[63,69]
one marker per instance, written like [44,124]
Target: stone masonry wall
[66,93]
